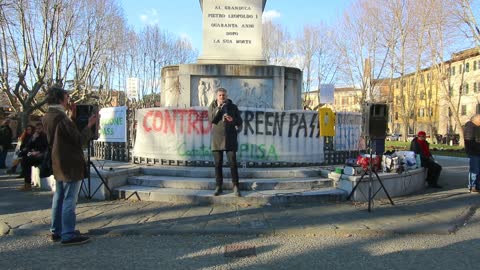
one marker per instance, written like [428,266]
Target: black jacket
[471,137]
[224,134]
[415,147]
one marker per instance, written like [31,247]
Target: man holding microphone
[226,123]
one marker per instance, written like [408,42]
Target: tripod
[370,171]
[87,189]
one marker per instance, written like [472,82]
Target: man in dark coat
[65,142]
[471,134]
[421,147]
[226,123]
[5,141]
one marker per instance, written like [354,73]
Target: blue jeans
[3,157]
[63,209]
[472,181]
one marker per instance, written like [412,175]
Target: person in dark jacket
[65,144]
[471,134]
[226,123]
[5,141]
[21,149]
[421,147]
[35,149]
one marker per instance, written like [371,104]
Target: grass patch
[436,149]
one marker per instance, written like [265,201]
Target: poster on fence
[348,131]
[113,124]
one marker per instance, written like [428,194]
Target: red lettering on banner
[169,122]
[158,121]
[166,121]
[147,116]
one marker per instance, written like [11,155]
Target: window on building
[460,69]
[422,95]
[449,112]
[476,87]
[422,78]
[430,111]
[404,83]
[467,67]
[421,112]
[396,84]
[429,93]
[474,65]
[428,77]
[465,89]
[396,115]
[453,71]
[464,110]
[412,81]
[450,90]
[477,109]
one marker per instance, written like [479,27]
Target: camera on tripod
[83,113]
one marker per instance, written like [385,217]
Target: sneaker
[473,190]
[56,237]
[77,240]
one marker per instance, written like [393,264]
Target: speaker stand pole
[369,170]
[88,193]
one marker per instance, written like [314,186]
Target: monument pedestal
[261,86]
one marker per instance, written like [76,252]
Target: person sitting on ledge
[421,147]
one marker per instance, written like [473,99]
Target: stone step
[267,197]
[199,183]
[244,173]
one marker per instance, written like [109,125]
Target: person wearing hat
[421,147]
[471,134]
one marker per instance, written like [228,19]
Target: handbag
[46,168]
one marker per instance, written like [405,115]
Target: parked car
[394,137]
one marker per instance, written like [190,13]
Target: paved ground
[429,212]
[437,229]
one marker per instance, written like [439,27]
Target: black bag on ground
[46,168]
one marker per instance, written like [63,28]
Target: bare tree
[277,44]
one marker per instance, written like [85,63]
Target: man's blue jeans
[63,209]
[472,181]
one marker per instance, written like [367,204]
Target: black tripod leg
[356,185]
[383,187]
[103,182]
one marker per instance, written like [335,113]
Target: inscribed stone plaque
[232,31]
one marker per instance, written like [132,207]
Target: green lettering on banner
[202,151]
[258,152]
[111,121]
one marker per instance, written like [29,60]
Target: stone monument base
[261,86]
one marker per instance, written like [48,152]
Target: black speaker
[375,118]
[84,111]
